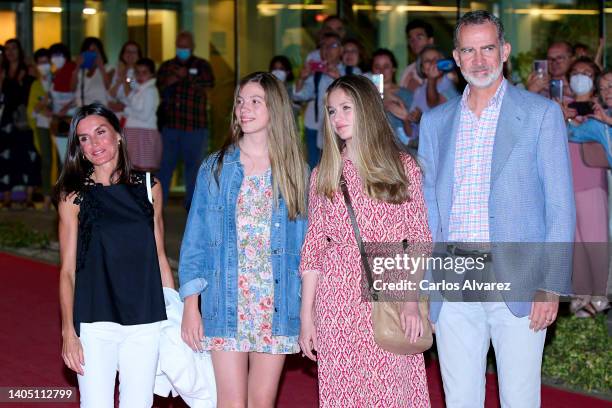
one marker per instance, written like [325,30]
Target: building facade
[241,36]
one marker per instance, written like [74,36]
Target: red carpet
[30,341]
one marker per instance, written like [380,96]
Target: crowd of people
[162,112]
[270,261]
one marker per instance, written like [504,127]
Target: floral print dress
[255,282]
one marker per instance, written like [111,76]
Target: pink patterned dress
[353,371]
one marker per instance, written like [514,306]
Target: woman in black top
[113,264]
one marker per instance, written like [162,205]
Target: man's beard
[485,82]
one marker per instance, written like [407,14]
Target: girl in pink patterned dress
[386,194]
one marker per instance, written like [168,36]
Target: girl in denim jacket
[241,247]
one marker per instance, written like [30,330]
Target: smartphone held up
[89,59]
[582,108]
[540,67]
[556,89]
[317,66]
[378,80]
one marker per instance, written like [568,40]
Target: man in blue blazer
[496,169]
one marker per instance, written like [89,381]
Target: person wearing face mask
[93,78]
[62,96]
[39,111]
[580,76]
[281,68]
[598,126]
[590,189]
[183,84]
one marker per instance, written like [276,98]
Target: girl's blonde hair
[377,154]
[289,169]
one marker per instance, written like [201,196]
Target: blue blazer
[531,197]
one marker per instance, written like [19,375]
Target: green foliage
[579,354]
[522,64]
[18,235]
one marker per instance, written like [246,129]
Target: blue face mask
[183,53]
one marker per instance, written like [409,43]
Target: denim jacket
[209,252]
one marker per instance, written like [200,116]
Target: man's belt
[454,250]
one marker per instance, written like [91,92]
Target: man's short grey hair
[478,17]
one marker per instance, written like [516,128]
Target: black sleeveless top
[117,274]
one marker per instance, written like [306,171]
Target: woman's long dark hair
[60,48]
[384,52]
[127,44]
[20,59]
[89,41]
[286,66]
[76,168]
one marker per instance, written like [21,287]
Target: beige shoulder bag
[388,333]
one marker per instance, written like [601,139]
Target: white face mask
[58,61]
[581,84]
[44,68]
[279,74]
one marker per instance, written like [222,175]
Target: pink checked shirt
[469,218]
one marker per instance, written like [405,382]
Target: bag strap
[148,182]
[317,79]
[364,262]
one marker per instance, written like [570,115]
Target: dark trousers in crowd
[46,158]
[191,146]
[19,160]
